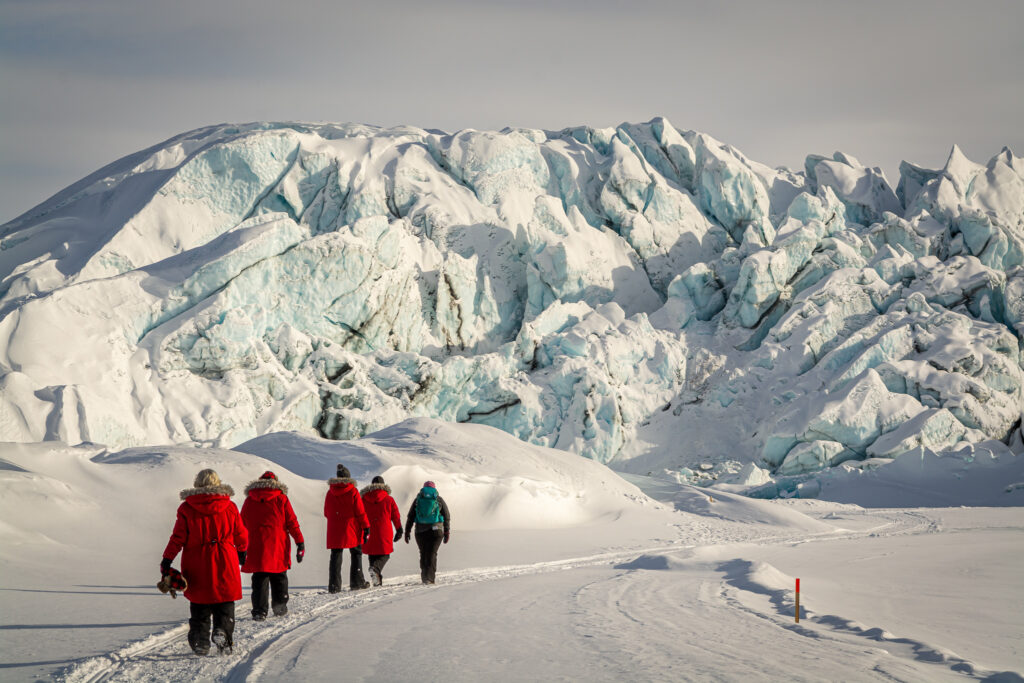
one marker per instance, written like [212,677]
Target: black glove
[406,536]
[366,534]
[398,535]
[445,539]
[241,557]
[165,566]
[300,551]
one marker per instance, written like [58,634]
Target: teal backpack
[428,510]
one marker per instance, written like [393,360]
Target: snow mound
[655,562]
[493,479]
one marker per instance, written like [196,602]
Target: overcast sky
[84,82]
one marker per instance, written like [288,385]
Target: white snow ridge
[770,375]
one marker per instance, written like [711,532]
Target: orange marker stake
[798,601]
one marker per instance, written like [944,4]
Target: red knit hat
[430,484]
[268,475]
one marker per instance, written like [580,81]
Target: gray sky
[84,82]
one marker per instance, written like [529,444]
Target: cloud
[85,83]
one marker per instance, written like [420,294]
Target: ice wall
[640,295]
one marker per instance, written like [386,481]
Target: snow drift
[611,292]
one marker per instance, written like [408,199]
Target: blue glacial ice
[641,295]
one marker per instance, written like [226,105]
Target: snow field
[695,587]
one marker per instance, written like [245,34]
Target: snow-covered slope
[640,295]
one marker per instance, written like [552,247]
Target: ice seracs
[569,287]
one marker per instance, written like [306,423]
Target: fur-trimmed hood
[375,487]
[341,480]
[223,490]
[266,484]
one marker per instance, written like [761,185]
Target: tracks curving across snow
[166,656]
[723,592]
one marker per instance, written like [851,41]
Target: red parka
[270,520]
[346,516]
[382,511]
[209,533]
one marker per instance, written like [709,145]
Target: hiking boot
[359,586]
[280,610]
[258,616]
[333,589]
[201,651]
[375,577]
[220,639]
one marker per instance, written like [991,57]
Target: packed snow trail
[722,615]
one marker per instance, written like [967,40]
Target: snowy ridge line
[742,577]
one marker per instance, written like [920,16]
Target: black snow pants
[274,587]
[223,616]
[428,540]
[356,579]
[377,563]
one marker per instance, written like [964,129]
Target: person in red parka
[347,527]
[270,520]
[212,540]
[382,511]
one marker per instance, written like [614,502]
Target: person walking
[347,527]
[433,527]
[382,511]
[209,533]
[270,520]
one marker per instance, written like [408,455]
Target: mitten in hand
[300,551]
[398,536]
[366,534]
[165,566]
[241,557]
[445,539]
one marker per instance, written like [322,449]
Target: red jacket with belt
[346,516]
[382,511]
[209,533]
[270,520]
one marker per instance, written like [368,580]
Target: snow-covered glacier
[640,295]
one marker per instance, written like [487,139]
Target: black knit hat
[378,479]
[343,472]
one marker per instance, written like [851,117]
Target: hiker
[433,525]
[382,511]
[212,540]
[270,520]
[347,527]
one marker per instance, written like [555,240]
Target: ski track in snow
[166,655]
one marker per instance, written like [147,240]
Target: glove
[398,535]
[241,557]
[406,536]
[300,551]
[445,539]
[366,534]
[165,566]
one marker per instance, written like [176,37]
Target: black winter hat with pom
[343,472]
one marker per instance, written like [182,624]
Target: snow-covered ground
[558,569]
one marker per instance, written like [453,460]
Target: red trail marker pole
[798,601]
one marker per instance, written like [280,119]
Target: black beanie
[343,472]
[378,479]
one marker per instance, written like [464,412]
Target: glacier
[640,295]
